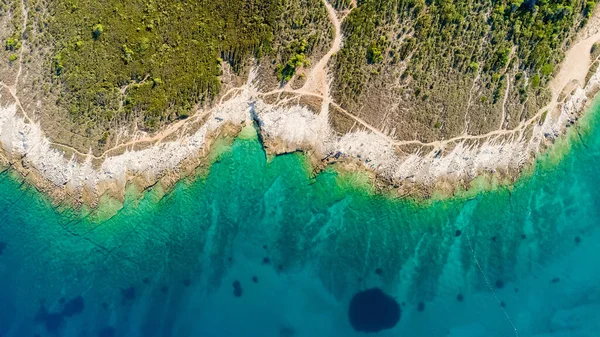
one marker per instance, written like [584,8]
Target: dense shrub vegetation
[153,60]
[430,48]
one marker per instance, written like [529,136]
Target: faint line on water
[490,287]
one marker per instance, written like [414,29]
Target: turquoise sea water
[523,260]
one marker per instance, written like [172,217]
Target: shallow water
[522,260]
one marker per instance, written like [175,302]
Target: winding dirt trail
[316,81]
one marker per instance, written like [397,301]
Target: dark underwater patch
[109,331]
[53,322]
[2,247]
[74,307]
[372,310]
[237,288]
[128,294]
[287,332]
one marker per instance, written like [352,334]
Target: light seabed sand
[297,127]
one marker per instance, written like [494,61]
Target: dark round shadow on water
[372,310]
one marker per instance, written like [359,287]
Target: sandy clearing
[575,65]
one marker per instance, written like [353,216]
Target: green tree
[535,81]
[97,31]
[374,54]
[547,69]
[474,66]
[127,53]
[285,73]
[11,44]
[589,8]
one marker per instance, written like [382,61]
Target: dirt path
[503,119]
[316,81]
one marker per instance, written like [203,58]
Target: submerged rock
[107,332]
[237,288]
[372,310]
[128,294]
[287,332]
[74,307]
[53,322]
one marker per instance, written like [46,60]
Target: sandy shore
[289,128]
